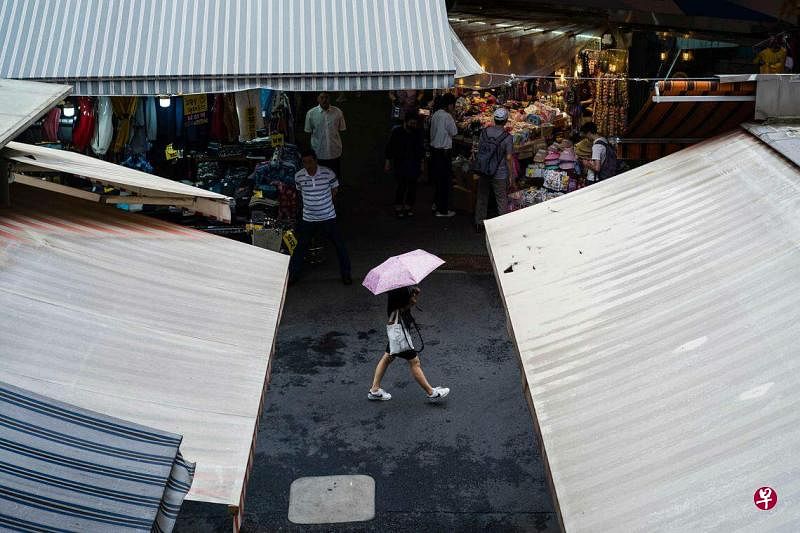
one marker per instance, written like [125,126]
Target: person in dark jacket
[400,303]
[405,152]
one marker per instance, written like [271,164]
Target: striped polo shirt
[317,195]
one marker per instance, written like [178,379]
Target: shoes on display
[449,214]
[380,395]
[438,393]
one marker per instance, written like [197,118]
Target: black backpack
[610,165]
[489,158]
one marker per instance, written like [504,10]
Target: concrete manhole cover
[332,499]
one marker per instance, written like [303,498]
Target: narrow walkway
[469,464]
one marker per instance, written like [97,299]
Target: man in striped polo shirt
[317,186]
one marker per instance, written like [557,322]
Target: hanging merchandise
[248,105]
[83,132]
[124,108]
[230,119]
[267,97]
[50,125]
[104,126]
[139,143]
[150,118]
[217,131]
[195,120]
[611,105]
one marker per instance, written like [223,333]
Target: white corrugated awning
[466,65]
[200,46]
[145,188]
[656,316]
[23,102]
[141,320]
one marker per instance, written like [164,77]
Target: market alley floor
[469,464]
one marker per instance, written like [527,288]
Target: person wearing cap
[504,177]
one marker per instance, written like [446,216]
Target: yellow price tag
[276,140]
[290,241]
[258,193]
[171,153]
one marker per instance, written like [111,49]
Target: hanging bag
[399,339]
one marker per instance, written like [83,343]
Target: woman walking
[399,310]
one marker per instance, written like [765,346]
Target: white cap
[501,114]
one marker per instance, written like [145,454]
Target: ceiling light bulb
[68,110]
[164,101]
[663,56]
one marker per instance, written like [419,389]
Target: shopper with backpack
[494,164]
[603,163]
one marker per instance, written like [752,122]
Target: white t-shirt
[443,129]
[598,154]
[324,127]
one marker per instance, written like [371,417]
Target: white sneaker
[438,393]
[446,215]
[379,394]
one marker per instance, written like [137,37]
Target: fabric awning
[200,46]
[663,128]
[145,188]
[141,320]
[656,316]
[68,469]
[466,65]
[24,102]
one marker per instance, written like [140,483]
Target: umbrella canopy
[401,271]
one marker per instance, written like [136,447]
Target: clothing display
[84,130]
[104,126]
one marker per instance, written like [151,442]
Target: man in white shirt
[317,186]
[600,153]
[324,123]
[443,129]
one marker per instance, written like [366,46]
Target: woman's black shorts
[407,355]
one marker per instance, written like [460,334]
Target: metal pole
[674,60]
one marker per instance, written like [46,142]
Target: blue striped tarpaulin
[68,469]
[199,46]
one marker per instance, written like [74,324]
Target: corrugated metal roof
[23,102]
[69,469]
[656,317]
[128,179]
[141,320]
[783,138]
[198,46]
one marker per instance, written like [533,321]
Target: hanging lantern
[663,55]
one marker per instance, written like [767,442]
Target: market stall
[656,318]
[142,320]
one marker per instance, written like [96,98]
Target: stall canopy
[682,112]
[23,102]
[656,316]
[69,469]
[202,46]
[144,188]
[141,320]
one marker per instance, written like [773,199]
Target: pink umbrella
[401,271]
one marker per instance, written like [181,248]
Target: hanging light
[663,56]
[68,109]
[612,67]
[686,56]
[164,101]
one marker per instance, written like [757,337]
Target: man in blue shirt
[317,186]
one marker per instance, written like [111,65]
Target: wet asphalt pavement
[471,463]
